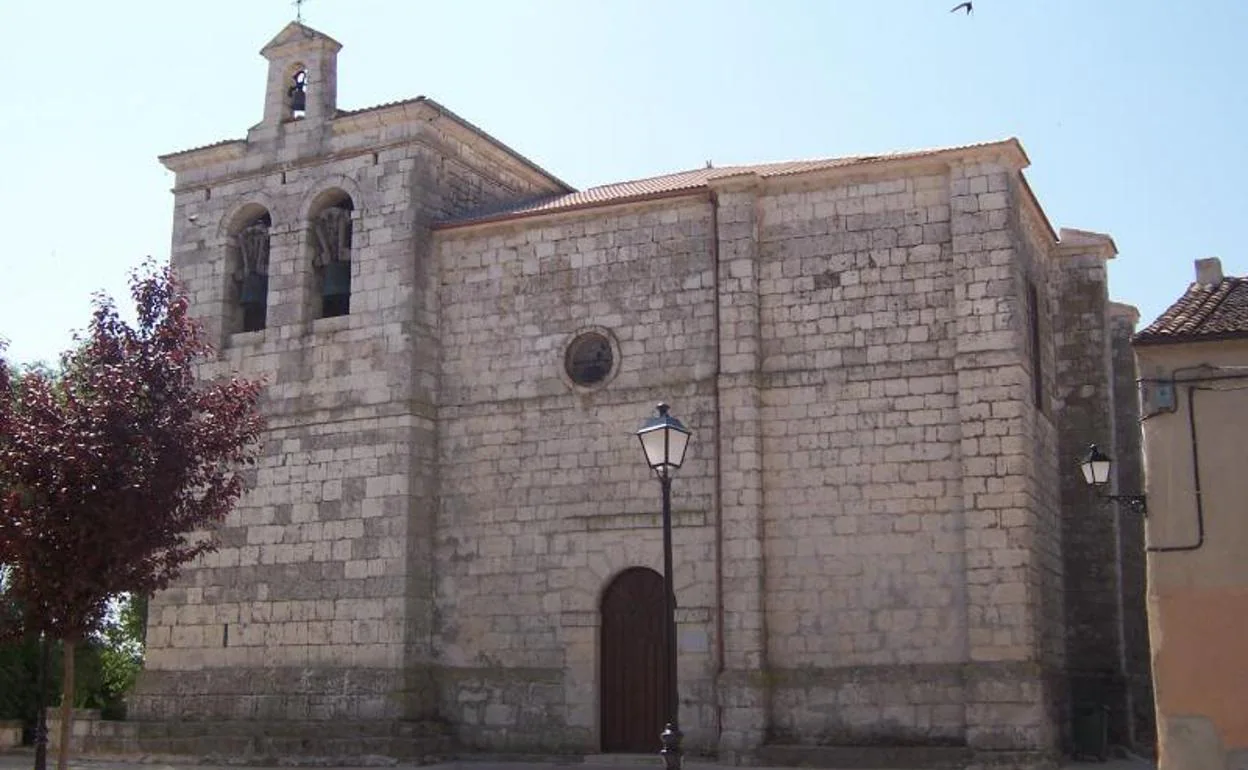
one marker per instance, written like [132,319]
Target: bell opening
[336,290]
[299,94]
[254,300]
[334,305]
[255,290]
[255,318]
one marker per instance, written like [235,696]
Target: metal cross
[298,10]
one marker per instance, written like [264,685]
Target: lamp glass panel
[1085,467]
[1095,471]
[1100,471]
[654,444]
[678,443]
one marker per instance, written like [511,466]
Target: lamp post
[664,440]
[1096,466]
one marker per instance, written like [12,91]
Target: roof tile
[1204,312]
[674,184]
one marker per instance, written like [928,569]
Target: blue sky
[1133,112]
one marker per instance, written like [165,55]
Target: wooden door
[634,662]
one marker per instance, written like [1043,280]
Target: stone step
[867,757]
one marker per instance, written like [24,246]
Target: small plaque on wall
[694,640]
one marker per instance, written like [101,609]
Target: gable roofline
[1206,312]
[204,155]
[696,180]
[382,110]
[297,34]
[1029,197]
[1186,339]
[232,149]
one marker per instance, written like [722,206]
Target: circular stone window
[589,359]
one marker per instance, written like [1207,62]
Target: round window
[589,359]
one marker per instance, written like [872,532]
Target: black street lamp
[1096,466]
[664,441]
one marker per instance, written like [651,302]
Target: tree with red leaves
[114,470]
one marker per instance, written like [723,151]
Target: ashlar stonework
[877,541]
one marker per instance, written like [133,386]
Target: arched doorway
[633,675]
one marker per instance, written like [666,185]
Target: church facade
[889,364]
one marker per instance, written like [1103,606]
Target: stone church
[889,363]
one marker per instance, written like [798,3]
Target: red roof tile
[1204,312]
[679,183]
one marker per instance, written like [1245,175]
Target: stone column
[415,351]
[290,279]
[1005,689]
[1140,724]
[742,691]
[1090,527]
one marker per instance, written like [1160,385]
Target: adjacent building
[1193,364]
[890,364]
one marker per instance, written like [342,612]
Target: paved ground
[23,760]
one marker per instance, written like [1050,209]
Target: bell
[299,92]
[337,280]
[255,290]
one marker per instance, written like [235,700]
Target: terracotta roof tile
[678,183]
[1204,312]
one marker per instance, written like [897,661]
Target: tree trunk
[67,705]
[41,702]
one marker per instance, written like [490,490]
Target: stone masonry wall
[866,590]
[319,603]
[1090,525]
[744,668]
[1008,688]
[1033,241]
[1129,469]
[859,353]
[863,453]
[545,495]
[311,572]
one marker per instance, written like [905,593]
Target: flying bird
[961,6]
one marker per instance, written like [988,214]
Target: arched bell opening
[249,258]
[297,93]
[331,236]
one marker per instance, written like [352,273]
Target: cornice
[1072,242]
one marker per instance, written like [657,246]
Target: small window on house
[297,95]
[331,241]
[251,275]
[1037,358]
